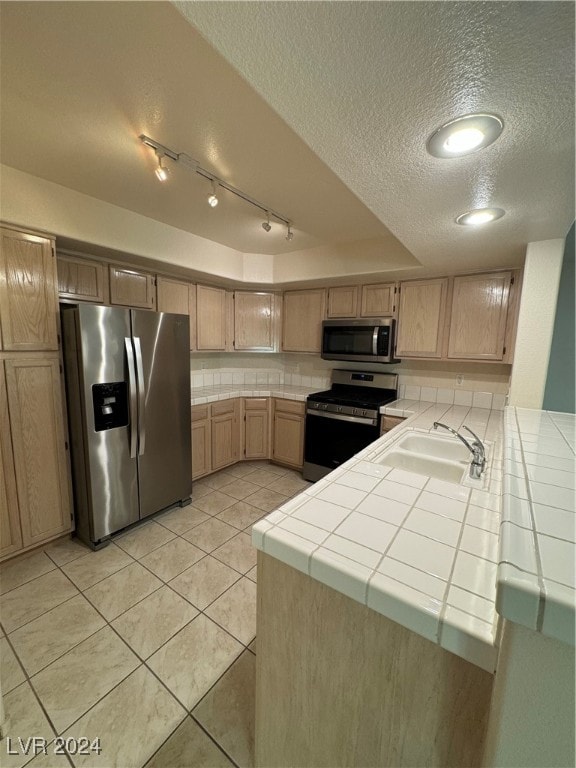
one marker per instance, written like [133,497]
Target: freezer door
[162,354]
[108,411]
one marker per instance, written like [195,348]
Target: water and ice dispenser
[110,403]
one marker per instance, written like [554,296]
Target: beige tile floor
[148,644]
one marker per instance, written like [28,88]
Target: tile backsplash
[471,384]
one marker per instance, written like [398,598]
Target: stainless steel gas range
[344,419]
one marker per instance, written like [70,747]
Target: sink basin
[450,471]
[449,448]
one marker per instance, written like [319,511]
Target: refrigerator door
[162,354]
[106,486]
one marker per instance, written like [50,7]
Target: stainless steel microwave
[366,341]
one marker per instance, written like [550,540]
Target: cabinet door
[226,437]
[478,318]
[288,446]
[80,279]
[210,318]
[35,405]
[131,288]
[10,533]
[343,302]
[201,449]
[256,444]
[303,312]
[254,321]
[421,318]
[174,296]
[28,297]
[377,300]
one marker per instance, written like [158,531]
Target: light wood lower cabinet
[256,428]
[225,421]
[39,450]
[10,531]
[389,422]
[288,432]
[201,441]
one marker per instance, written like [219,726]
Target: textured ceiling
[366,83]
[319,109]
[80,81]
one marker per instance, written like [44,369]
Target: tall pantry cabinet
[34,486]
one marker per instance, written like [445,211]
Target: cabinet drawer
[290,406]
[256,404]
[200,412]
[223,407]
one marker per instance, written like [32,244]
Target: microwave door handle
[141,397]
[375,341]
[131,395]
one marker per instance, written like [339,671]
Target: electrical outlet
[459,379]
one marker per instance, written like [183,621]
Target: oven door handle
[340,417]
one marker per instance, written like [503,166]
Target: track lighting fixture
[212,198]
[193,165]
[161,172]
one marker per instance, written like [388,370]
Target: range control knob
[325,406]
[355,411]
[339,409]
[363,413]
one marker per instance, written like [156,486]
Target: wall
[536,322]
[559,394]
[532,712]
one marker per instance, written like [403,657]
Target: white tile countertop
[537,560]
[422,552]
[201,395]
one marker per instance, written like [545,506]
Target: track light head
[161,172]
[289,234]
[212,197]
[266,226]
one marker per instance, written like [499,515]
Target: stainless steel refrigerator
[128,392]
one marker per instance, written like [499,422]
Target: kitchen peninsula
[377,591]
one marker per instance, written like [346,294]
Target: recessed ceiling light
[479,216]
[465,135]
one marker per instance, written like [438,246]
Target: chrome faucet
[476,449]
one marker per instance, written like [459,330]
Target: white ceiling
[319,110]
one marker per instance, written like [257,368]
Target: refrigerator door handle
[141,397]
[132,395]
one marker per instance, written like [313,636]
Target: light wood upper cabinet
[10,532]
[210,318]
[377,300]
[478,316]
[179,298]
[81,279]
[132,288]
[255,321]
[343,301]
[38,441]
[256,428]
[288,440]
[422,314]
[28,296]
[302,316]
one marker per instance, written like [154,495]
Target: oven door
[331,439]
